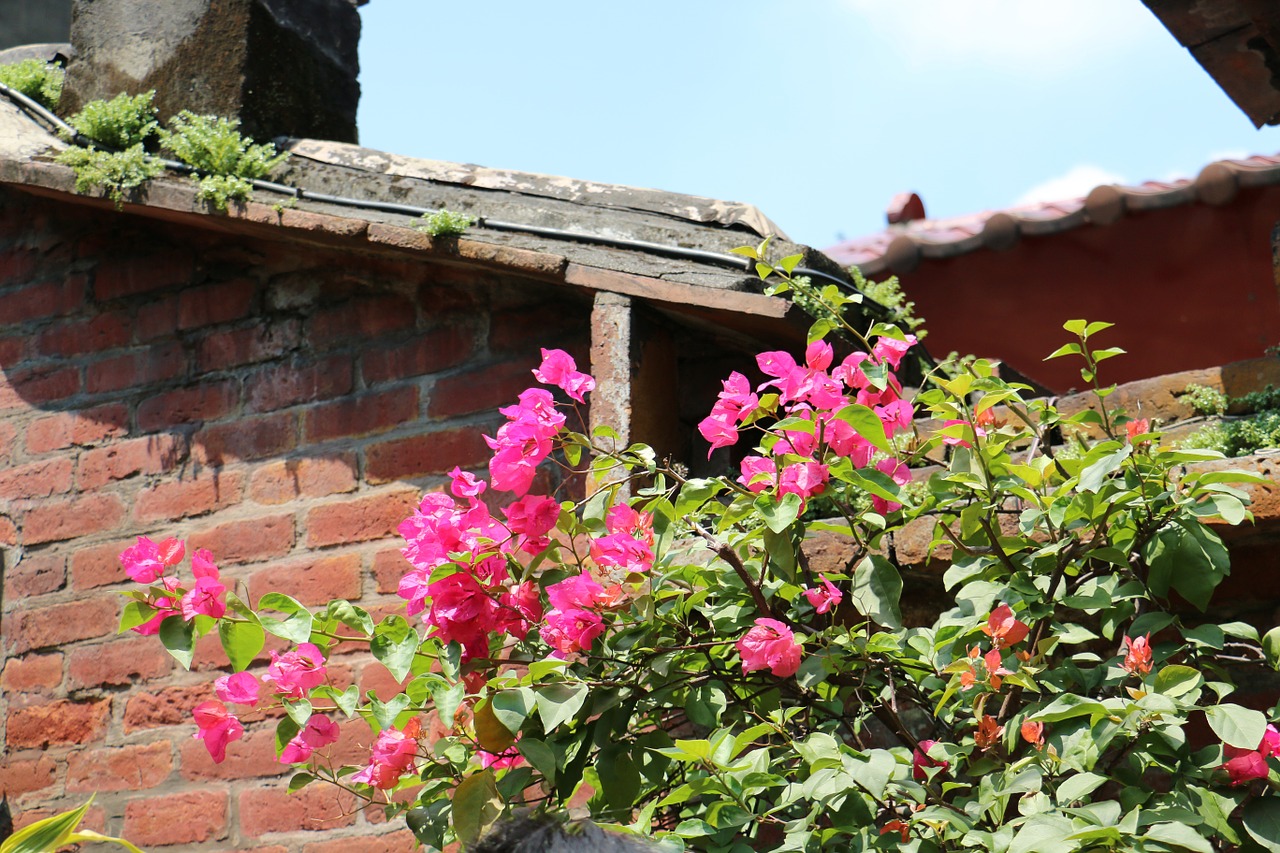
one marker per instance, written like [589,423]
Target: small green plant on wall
[444,223]
[40,81]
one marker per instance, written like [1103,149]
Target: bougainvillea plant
[660,655]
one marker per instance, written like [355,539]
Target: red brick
[95,818]
[119,277]
[374,676]
[433,453]
[32,673]
[251,757]
[58,624]
[481,389]
[13,349]
[33,386]
[170,706]
[246,438]
[389,842]
[315,807]
[186,498]
[17,264]
[36,479]
[525,329]
[190,817]
[159,363]
[99,565]
[103,332]
[152,454]
[247,541]
[117,663]
[314,581]
[359,520]
[440,349]
[45,299]
[369,413]
[35,574]
[370,317]
[187,405]
[157,319]
[281,482]
[283,385]
[388,568]
[62,721]
[8,531]
[50,433]
[123,768]
[23,777]
[62,430]
[8,440]
[210,655]
[214,303]
[71,518]
[222,350]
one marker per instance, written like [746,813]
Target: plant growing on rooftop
[122,126]
[1204,400]
[444,222]
[41,81]
[226,160]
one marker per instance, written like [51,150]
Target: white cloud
[1036,37]
[1076,182]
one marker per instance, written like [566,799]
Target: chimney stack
[282,67]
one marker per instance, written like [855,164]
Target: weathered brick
[223,350]
[14,349]
[135,369]
[251,757]
[439,349]
[17,264]
[56,432]
[169,706]
[314,581]
[121,768]
[68,519]
[36,479]
[8,440]
[388,842]
[190,817]
[481,389]
[120,662]
[283,385]
[118,277]
[58,624]
[246,438]
[103,332]
[316,807]
[375,412]
[157,319]
[35,574]
[370,317]
[359,520]
[43,299]
[374,676]
[281,482]
[186,498]
[433,453]
[23,777]
[95,818]
[34,386]
[99,565]
[523,330]
[214,303]
[205,402]
[247,541]
[49,433]
[8,531]
[151,454]
[388,568]
[33,673]
[63,721]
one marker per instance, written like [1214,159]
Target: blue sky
[816,111]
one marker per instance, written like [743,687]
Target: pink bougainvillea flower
[770,645]
[216,728]
[896,417]
[1244,765]
[165,607]
[805,479]
[392,756]
[622,551]
[464,484]
[718,431]
[900,474]
[206,598]
[1003,628]
[1270,742]
[1137,655]
[571,631]
[824,597]
[240,688]
[319,732]
[509,757]
[891,350]
[296,672]
[559,369]
[142,561]
[758,473]
[622,518]
[580,590]
[1033,733]
[921,763]
[519,609]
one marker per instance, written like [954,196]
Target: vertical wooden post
[612,323]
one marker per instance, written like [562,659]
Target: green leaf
[512,707]
[299,710]
[866,423]
[178,636]
[619,777]
[300,781]
[134,614]
[476,806]
[1078,786]
[1271,647]
[1070,705]
[877,590]
[355,618]
[1237,726]
[541,756]
[877,483]
[1065,349]
[348,700]
[1179,836]
[558,703]
[779,514]
[447,698]
[45,835]
[296,624]
[1189,558]
[1096,473]
[241,641]
[88,836]
[1176,680]
[394,644]
[1262,822]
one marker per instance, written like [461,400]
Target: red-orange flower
[1003,628]
[1033,733]
[988,733]
[1137,657]
[1136,428]
[898,826]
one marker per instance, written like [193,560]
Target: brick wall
[282,405]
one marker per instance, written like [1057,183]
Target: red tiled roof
[900,246]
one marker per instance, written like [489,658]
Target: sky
[816,111]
